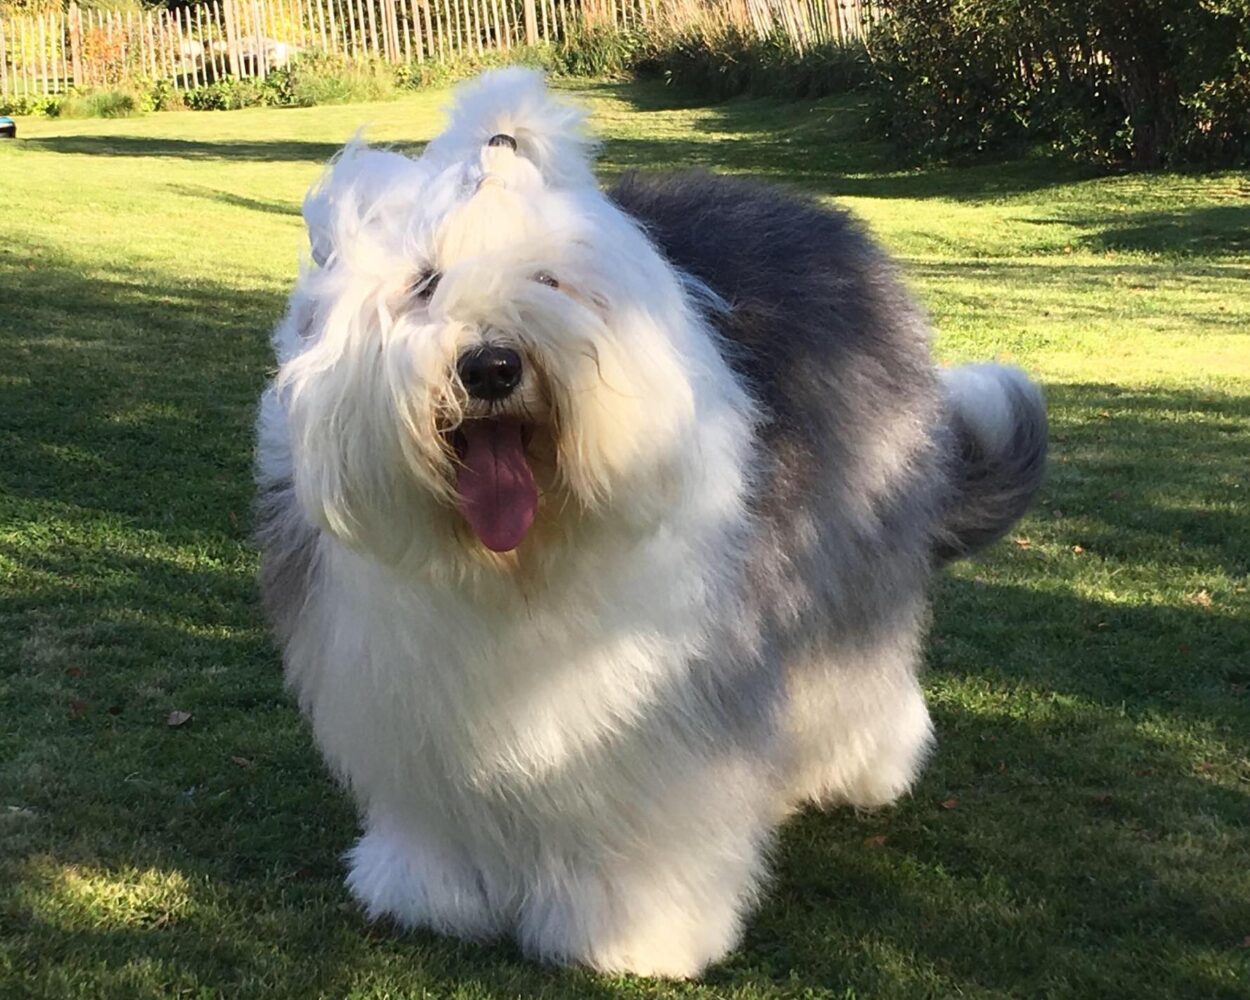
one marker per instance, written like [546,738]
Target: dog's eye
[543,278]
[425,285]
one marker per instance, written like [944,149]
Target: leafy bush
[30,105]
[724,61]
[1154,81]
[595,51]
[164,96]
[226,94]
[100,104]
[309,80]
[109,103]
[323,79]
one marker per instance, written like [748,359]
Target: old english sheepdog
[596,528]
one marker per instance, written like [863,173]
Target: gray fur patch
[994,489]
[288,547]
[852,478]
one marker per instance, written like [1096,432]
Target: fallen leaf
[1023,543]
[1206,767]
[77,708]
[877,841]
[1145,772]
[1202,598]
[240,762]
[73,671]
[1105,414]
[1078,549]
[950,803]
[177,718]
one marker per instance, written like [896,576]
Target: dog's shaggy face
[480,344]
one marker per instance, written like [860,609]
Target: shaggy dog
[596,528]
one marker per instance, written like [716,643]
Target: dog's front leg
[667,910]
[420,880]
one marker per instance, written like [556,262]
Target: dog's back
[819,327]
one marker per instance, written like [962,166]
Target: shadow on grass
[1025,291]
[820,146]
[236,201]
[144,147]
[1211,231]
[1086,855]
[823,146]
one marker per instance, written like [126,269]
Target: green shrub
[1152,82]
[226,94]
[31,105]
[164,96]
[722,61]
[317,78]
[596,51]
[309,80]
[112,103]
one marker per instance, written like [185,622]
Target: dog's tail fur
[997,420]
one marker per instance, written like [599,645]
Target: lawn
[1084,829]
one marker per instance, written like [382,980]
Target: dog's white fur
[529,745]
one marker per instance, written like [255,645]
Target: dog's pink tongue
[497,493]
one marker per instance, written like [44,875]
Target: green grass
[1090,679]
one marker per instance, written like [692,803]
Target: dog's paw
[394,874]
[655,923]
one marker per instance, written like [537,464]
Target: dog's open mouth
[495,486]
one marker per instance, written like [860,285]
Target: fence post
[507,24]
[384,20]
[455,43]
[4,62]
[260,58]
[350,38]
[215,33]
[321,24]
[59,45]
[531,23]
[162,39]
[416,31]
[431,35]
[232,37]
[43,56]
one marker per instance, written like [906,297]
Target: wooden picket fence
[48,53]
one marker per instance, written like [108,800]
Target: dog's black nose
[490,373]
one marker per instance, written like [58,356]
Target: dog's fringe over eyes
[578,644]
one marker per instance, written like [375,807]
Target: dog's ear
[514,104]
[353,196]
